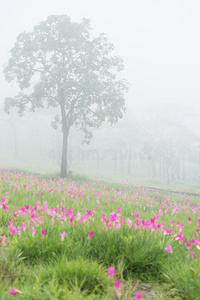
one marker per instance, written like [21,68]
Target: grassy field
[46,167]
[84,239]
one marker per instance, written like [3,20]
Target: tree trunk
[63,170]
[66,125]
[65,131]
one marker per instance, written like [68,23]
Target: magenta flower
[192,254]
[90,235]
[188,245]
[89,213]
[117,284]
[33,231]
[181,238]
[24,226]
[138,295]
[121,220]
[197,242]
[62,236]
[137,214]
[111,271]
[69,212]
[19,229]
[13,229]
[129,222]
[169,249]
[14,291]
[43,232]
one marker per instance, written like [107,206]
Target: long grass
[104,225]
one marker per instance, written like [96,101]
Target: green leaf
[27,242]
[192,270]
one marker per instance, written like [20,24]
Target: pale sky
[158,40]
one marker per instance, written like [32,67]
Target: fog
[158,139]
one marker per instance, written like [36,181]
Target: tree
[61,64]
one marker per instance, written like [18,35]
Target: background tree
[61,64]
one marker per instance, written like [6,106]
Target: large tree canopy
[60,64]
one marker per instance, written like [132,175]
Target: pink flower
[89,213]
[181,238]
[117,284]
[169,231]
[192,254]
[169,249]
[111,271]
[3,240]
[129,222]
[33,231]
[138,295]
[62,236]
[90,235]
[137,214]
[24,226]
[14,291]
[121,220]
[13,229]
[188,245]
[43,232]
[197,242]
[69,212]
[19,229]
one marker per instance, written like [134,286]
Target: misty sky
[158,40]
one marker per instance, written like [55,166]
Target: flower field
[64,240]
